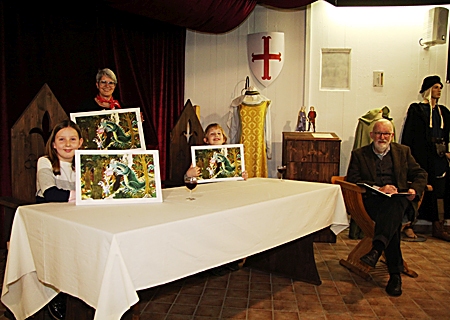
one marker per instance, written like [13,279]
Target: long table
[105,254]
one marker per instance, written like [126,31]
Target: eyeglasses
[381,134]
[109,83]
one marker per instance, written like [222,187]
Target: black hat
[430,81]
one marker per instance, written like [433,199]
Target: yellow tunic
[252,137]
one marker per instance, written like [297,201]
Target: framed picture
[118,129]
[123,176]
[219,163]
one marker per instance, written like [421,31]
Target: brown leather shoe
[439,231]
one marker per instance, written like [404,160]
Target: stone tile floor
[249,294]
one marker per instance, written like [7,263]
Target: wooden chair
[355,208]
[187,132]
[28,137]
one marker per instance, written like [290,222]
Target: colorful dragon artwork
[113,131]
[221,167]
[126,177]
[219,163]
[118,138]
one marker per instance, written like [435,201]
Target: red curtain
[5,187]
[148,58]
[65,48]
[213,16]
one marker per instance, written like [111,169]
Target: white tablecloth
[104,254]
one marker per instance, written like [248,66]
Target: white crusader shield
[265,51]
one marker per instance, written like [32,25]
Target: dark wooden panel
[312,151]
[328,151]
[309,158]
[294,259]
[299,151]
[325,235]
[28,137]
[187,132]
[8,206]
[312,171]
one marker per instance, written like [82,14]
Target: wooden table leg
[294,259]
[76,309]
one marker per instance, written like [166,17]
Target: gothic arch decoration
[28,138]
[187,132]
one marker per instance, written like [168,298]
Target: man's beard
[381,146]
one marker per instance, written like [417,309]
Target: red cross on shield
[265,52]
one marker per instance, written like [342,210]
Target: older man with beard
[389,167]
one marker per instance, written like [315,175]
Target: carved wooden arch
[28,137]
[187,132]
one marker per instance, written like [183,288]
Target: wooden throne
[187,132]
[28,137]
[355,207]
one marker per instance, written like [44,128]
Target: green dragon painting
[105,176]
[219,162]
[111,130]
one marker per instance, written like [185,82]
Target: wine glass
[191,184]
[281,170]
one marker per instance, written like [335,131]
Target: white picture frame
[118,129]
[117,176]
[219,163]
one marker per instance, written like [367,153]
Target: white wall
[216,68]
[380,38]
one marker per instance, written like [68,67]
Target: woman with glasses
[106,82]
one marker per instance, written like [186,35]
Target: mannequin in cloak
[249,124]
[365,125]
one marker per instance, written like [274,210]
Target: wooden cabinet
[311,156]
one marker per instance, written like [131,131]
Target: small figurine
[301,123]
[312,119]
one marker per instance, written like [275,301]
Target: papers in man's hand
[377,191]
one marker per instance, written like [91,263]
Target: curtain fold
[5,166]
[286,4]
[212,16]
[149,62]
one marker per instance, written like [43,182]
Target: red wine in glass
[281,170]
[191,184]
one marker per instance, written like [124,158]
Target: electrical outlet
[378,78]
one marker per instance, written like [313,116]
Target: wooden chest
[311,156]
